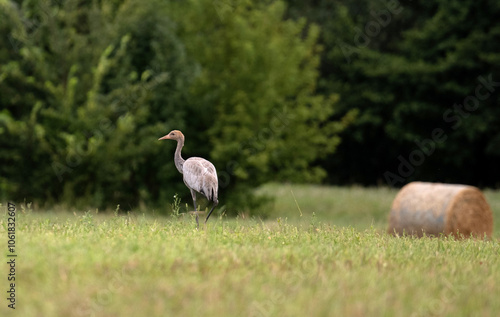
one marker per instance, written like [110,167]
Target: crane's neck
[179,161]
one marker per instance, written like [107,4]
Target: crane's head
[173,135]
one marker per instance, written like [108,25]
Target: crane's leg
[216,202]
[193,194]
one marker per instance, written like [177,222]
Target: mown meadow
[322,251]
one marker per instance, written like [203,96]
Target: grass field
[323,252]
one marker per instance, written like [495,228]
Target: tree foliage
[87,89]
[409,67]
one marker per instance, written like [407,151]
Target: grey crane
[199,174]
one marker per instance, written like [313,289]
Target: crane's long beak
[164,137]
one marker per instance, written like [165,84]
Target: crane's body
[199,174]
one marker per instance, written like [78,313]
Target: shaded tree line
[411,68]
[341,92]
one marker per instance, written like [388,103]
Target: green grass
[338,262]
[358,207]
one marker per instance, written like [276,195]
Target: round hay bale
[436,208]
